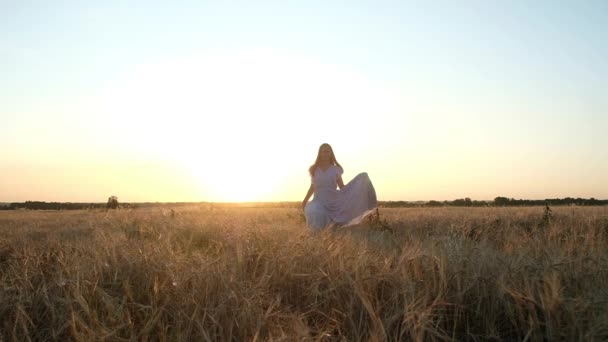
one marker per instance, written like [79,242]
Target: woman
[330,206]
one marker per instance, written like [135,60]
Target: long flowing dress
[343,207]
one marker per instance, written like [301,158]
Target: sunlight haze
[215,101]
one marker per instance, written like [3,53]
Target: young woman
[335,203]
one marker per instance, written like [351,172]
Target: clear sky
[229,101]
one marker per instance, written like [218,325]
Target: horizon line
[297,201]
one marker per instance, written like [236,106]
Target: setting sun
[239,123]
[229,179]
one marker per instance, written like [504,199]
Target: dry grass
[200,273]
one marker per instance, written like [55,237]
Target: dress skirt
[344,207]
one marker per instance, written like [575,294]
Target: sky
[229,101]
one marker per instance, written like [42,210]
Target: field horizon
[460,202]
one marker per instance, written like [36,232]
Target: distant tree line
[39,205]
[497,202]
[461,202]
[32,205]
[504,201]
[112,203]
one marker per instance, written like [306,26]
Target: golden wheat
[207,273]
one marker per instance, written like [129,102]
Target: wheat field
[202,273]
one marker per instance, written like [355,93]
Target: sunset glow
[219,102]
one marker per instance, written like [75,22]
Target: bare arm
[311,190]
[340,182]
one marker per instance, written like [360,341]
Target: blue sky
[474,98]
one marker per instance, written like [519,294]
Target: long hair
[332,160]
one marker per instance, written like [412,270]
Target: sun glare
[225,178]
[234,121]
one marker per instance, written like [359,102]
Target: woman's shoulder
[312,169]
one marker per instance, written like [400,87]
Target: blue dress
[344,207]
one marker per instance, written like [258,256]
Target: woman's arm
[340,182]
[311,190]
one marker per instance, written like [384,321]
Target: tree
[462,202]
[434,203]
[501,201]
[112,202]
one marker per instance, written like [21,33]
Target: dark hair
[332,160]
